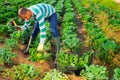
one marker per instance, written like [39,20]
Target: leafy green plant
[55,75]
[35,56]
[115,22]
[109,45]
[69,37]
[69,27]
[21,36]
[47,46]
[69,17]
[2,67]
[1,40]
[106,48]
[2,29]
[15,35]
[59,7]
[72,42]
[99,42]
[6,29]
[73,61]
[68,4]
[6,56]
[116,75]
[11,44]
[22,72]
[85,59]
[94,72]
[87,18]
[63,60]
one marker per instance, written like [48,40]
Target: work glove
[23,28]
[40,48]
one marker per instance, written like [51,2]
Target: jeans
[53,26]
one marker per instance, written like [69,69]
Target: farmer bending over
[41,13]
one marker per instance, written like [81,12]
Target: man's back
[42,9]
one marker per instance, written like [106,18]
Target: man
[41,13]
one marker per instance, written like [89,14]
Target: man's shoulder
[40,4]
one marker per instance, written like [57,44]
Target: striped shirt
[41,11]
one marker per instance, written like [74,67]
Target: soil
[81,34]
[1,45]
[22,58]
[74,77]
[45,66]
[48,65]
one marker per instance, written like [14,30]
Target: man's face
[26,16]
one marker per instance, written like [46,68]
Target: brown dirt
[74,77]
[3,38]
[109,30]
[97,61]
[45,66]
[1,45]
[21,58]
[81,34]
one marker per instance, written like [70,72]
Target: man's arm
[42,30]
[26,25]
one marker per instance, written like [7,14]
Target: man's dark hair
[22,11]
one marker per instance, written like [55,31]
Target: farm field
[89,42]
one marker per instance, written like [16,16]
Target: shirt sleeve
[26,25]
[42,28]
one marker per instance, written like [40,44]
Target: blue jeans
[53,26]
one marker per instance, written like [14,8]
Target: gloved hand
[40,48]
[23,28]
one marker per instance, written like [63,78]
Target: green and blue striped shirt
[41,11]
